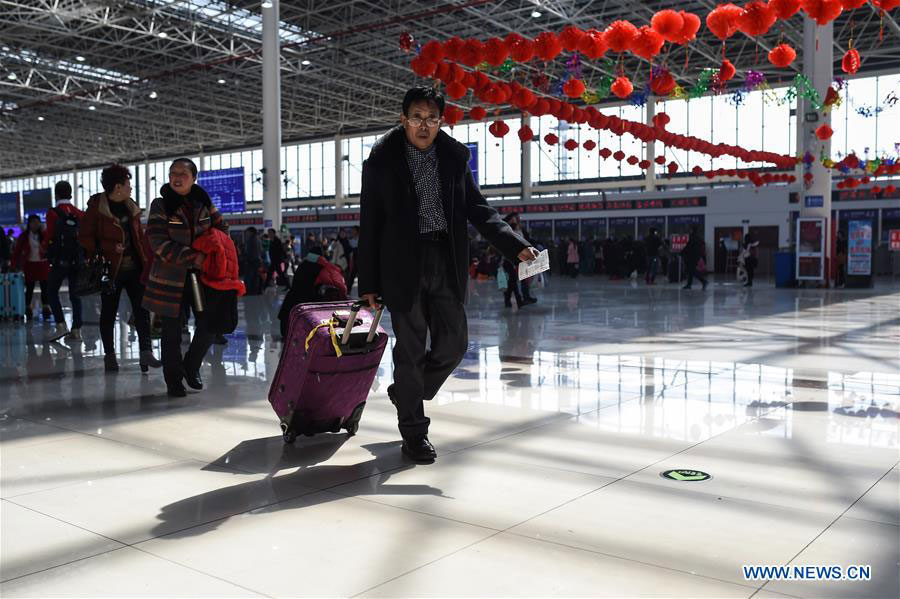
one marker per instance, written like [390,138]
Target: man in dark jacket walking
[417,196]
[692,253]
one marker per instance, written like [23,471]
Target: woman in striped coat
[182,213]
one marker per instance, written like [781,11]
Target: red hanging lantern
[456,90]
[495,52]
[876,189]
[808,178]
[822,11]
[547,46]
[668,24]
[477,113]
[632,160]
[453,47]
[551,139]
[592,44]
[498,128]
[660,160]
[890,189]
[784,9]
[618,155]
[520,48]
[644,164]
[589,145]
[672,168]
[566,111]
[756,18]
[433,51]
[660,120]
[468,80]
[852,4]
[525,134]
[605,153]
[422,66]
[886,4]
[570,37]
[726,71]
[824,132]
[622,87]
[782,56]
[647,43]
[851,61]
[722,21]
[472,53]
[662,83]
[690,29]
[620,35]
[452,115]
[406,41]
[571,145]
[574,88]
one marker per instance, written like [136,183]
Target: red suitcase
[326,368]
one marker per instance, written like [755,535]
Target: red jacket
[331,275]
[220,269]
[50,230]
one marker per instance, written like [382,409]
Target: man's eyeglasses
[417,122]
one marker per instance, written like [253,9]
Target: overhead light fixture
[306,63]
[6,48]
[40,118]
[163,34]
[79,58]
[221,82]
[92,108]
[11,76]
[266,4]
[535,14]
[153,95]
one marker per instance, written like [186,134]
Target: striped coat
[171,229]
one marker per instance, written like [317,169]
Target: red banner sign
[679,242]
[895,240]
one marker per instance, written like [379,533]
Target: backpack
[64,247]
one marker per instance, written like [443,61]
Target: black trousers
[512,285]
[174,365]
[130,282]
[693,272]
[57,275]
[420,373]
[29,294]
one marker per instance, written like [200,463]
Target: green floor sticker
[685,475]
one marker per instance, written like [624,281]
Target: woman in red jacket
[28,258]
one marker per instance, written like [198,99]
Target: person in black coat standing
[692,253]
[417,195]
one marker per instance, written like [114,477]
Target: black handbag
[93,278]
[220,310]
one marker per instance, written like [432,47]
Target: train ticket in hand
[536,266]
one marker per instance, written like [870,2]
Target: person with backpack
[65,257]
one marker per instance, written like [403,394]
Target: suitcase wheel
[352,423]
[287,434]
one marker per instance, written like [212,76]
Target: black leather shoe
[419,450]
[193,379]
[178,391]
[110,364]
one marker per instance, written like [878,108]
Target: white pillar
[526,163]
[818,67]
[149,184]
[75,194]
[338,173]
[202,164]
[650,153]
[271,104]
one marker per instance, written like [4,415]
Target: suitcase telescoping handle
[354,310]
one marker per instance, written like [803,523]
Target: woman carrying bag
[183,213]
[28,257]
[111,228]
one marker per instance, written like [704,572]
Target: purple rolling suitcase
[326,368]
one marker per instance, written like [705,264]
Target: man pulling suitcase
[417,196]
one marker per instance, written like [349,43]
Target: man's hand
[528,254]
[371,298]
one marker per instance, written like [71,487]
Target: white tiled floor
[552,436]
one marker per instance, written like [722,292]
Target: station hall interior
[698,395]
